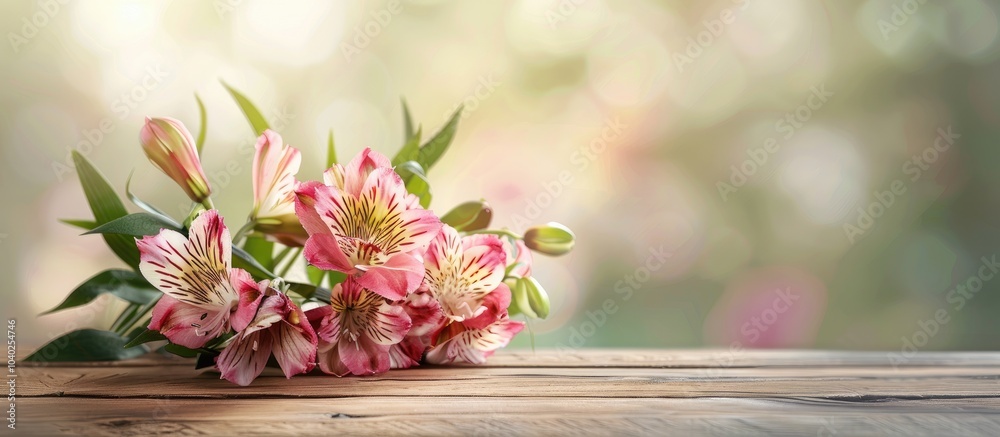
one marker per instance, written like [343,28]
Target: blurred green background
[762,173]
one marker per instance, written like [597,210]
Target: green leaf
[333,278]
[407,121]
[86,345]
[410,150]
[315,275]
[417,184]
[106,207]
[149,208]
[145,337]
[245,261]
[139,224]
[180,351]
[123,284]
[205,360]
[432,151]
[200,142]
[331,151]
[82,224]
[307,291]
[256,119]
[261,250]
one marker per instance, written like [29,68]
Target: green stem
[502,232]
[291,261]
[244,230]
[207,203]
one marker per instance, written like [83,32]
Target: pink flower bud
[170,147]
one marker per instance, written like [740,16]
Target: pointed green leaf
[123,284]
[261,250]
[86,345]
[139,224]
[417,183]
[200,142]
[82,224]
[180,351]
[245,261]
[331,151]
[407,122]
[432,151]
[106,207]
[410,150]
[145,337]
[256,119]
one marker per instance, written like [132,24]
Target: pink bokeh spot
[768,308]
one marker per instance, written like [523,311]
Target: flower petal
[250,298]
[364,357]
[358,170]
[493,308]
[274,167]
[400,275]
[323,251]
[406,353]
[185,324]
[195,269]
[475,345]
[425,313]
[328,358]
[295,346]
[244,359]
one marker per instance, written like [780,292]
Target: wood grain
[584,392]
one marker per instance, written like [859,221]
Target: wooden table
[581,392]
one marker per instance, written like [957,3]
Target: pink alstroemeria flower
[171,148]
[426,319]
[279,327]
[363,222]
[357,329]
[474,340]
[203,297]
[462,271]
[274,167]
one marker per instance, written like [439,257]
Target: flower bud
[171,148]
[528,298]
[550,239]
[538,299]
[469,216]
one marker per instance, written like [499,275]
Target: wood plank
[678,358]
[506,416]
[833,382]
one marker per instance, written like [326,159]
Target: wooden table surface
[579,392]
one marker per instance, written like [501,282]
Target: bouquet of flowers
[390,283]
